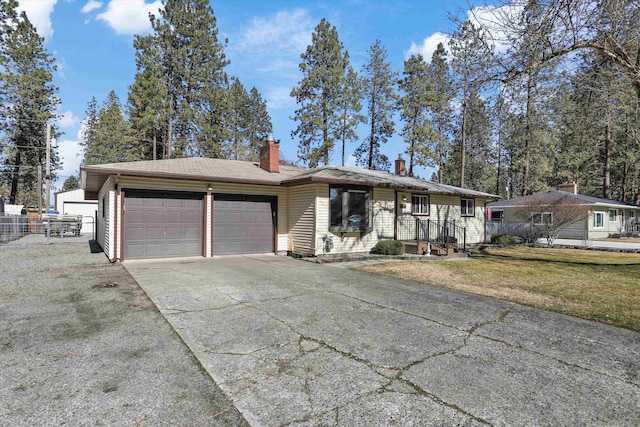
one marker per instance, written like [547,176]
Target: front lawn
[600,286]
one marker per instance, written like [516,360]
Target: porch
[427,236]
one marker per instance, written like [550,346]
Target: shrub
[503,239]
[531,235]
[388,247]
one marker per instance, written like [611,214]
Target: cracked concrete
[297,343]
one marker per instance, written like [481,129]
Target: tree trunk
[373,127]
[155,153]
[606,179]
[463,143]
[15,178]
[527,141]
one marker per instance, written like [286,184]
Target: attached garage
[162,224]
[243,224]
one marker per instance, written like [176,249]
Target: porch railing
[446,234]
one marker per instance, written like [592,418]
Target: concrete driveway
[297,343]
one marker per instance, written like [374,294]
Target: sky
[92,42]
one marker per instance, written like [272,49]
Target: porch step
[412,247]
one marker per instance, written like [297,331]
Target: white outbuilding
[72,202]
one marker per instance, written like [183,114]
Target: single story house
[72,202]
[206,207]
[604,217]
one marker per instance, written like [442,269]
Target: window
[467,207]
[613,215]
[598,220]
[104,206]
[419,204]
[349,208]
[542,218]
[497,216]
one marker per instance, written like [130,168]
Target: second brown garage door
[243,224]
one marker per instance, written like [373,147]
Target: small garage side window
[349,208]
[105,206]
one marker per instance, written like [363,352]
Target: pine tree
[259,124]
[414,109]
[382,103]
[441,111]
[238,121]
[350,107]
[28,100]
[470,64]
[108,135]
[71,183]
[183,56]
[318,95]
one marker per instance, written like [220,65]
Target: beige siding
[445,208]
[383,223]
[302,214]
[226,188]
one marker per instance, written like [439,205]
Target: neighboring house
[206,207]
[72,202]
[605,217]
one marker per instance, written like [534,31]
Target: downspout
[116,233]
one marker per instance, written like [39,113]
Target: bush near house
[503,239]
[388,247]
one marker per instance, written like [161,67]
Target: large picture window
[349,208]
[467,207]
[419,204]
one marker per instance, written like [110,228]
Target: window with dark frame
[419,204]
[542,218]
[467,207]
[104,206]
[613,215]
[349,208]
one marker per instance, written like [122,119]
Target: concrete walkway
[297,343]
[623,244]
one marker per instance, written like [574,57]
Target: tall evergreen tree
[318,95]
[382,102]
[470,64]
[27,102]
[415,104]
[183,55]
[108,135]
[441,111]
[350,107]
[259,124]
[238,121]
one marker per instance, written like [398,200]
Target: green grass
[600,286]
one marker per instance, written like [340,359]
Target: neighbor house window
[497,216]
[542,218]
[598,220]
[419,205]
[613,215]
[349,208]
[467,207]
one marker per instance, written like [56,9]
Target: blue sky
[92,42]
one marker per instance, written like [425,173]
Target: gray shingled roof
[206,169]
[556,194]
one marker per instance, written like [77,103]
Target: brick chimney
[569,187]
[401,168]
[270,155]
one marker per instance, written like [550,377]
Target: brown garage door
[162,224]
[243,224]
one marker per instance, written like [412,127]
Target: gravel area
[81,344]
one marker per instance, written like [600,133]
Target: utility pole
[39,189]
[47,176]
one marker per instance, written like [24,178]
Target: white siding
[105,235]
[302,214]
[382,216]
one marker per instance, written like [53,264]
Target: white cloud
[351,161]
[70,153]
[279,97]
[68,120]
[39,13]
[91,5]
[288,31]
[428,46]
[129,17]
[492,19]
